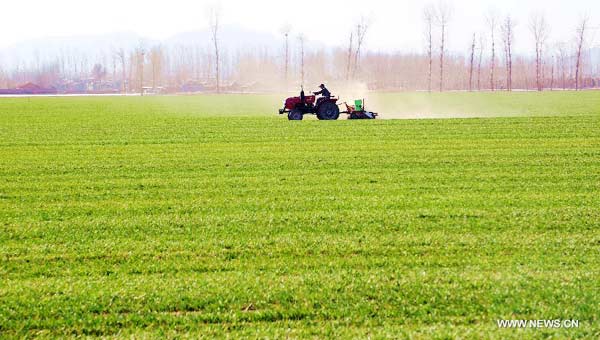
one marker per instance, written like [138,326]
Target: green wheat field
[212,216]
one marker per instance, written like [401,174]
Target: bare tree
[132,62]
[214,21]
[141,59]
[301,41]
[208,65]
[428,15]
[114,67]
[286,29]
[552,73]
[479,65]
[121,55]
[471,63]
[581,30]
[37,58]
[492,21]
[156,60]
[197,61]
[508,38]
[349,55]
[442,16]
[562,63]
[539,29]
[361,30]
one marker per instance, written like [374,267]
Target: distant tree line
[489,62]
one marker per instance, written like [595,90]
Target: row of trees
[559,65]
[559,60]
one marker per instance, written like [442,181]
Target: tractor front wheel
[328,111]
[295,114]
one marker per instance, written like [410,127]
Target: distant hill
[96,47]
[45,49]
[230,37]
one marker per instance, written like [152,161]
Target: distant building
[29,88]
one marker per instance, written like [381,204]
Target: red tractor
[324,108]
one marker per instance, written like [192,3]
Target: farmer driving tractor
[325,94]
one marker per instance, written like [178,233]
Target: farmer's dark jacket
[324,92]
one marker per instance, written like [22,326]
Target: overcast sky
[396,24]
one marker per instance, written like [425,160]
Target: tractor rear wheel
[328,111]
[295,114]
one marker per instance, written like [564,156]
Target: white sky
[397,24]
